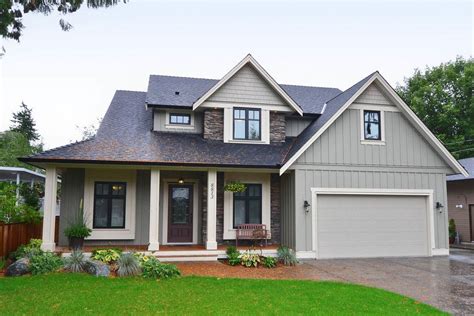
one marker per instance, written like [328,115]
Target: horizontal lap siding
[461,193]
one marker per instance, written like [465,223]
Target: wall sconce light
[459,206]
[180,180]
[439,205]
[306,206]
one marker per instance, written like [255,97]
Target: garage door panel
[371,226]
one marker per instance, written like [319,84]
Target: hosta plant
[154,269]
[249,259]
[233,255]
[269,262]
[76,262]
[128,264]
[106,255]
[45,263]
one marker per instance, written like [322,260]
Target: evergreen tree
[23,123]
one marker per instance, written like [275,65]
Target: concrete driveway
[444,282]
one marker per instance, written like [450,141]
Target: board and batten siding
[160,123]
[338,159]
[247,87]
[294,126]
[287,216]
[72,192]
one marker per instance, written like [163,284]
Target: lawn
[79,294]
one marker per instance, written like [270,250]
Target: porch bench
[251,232]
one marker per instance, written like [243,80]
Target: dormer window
[247,124]
[372,130]
[180,119]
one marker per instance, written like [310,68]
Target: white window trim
[364,141]
[257,178]
[127,176]
[315,192]
[164,236]
[229,126]
[179,126]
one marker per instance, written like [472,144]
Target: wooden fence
[14,235]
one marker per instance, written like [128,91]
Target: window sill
[243,141]
[373,142]
[179,126]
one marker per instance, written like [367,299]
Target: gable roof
[468,164]
[125,136]
[260,70]
[161,92]
[340,103]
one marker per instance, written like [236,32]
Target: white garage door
[351,226]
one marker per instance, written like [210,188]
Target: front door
[180,213]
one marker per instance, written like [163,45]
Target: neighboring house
[331,173]
[461,201]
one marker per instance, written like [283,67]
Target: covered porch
[168,212]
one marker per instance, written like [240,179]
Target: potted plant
[235,187]
[452,231]
[77,231]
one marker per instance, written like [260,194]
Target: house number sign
[212,190]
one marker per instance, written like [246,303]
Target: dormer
[246,106]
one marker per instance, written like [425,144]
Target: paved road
[444,282]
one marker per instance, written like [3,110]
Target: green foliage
[78,228]
[106,255]
[142,258]
[269,262]
[452,228]
[235,186]
[33,248]
[31,195]
[286,256]
[154,269]
[441,96]
[128,264]
[249,259]
[11,14]
[45,263]
[2,263]
[13,145]
[75,262]
[233,255]
[24,124]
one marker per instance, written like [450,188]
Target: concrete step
[181,258]
[463,245]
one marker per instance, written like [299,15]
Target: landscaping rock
[97,268]
[19,267]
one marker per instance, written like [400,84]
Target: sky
[69,78]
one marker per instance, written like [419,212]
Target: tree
[23,123]
[441,96]
[14,145]
[89,131]
[12,12]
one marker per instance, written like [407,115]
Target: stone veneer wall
[214,124]
[277,127]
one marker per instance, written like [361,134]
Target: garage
[355,223]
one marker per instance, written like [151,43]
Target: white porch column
[211,209]
[154,210]
[49,214]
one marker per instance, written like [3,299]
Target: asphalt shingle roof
[162,92]
[468,164]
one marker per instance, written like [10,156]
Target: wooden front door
[180,213]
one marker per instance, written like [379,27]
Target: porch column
[49,214]
[211,209]
[154,244]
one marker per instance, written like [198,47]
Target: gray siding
[461,193]
[294,126]
[372,95]
[72,192]
[247,86]
[159,122]
[288,210]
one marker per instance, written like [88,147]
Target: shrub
[452,228]
[78,228]
[75,262]
[13,211]
[106,255]
[128,264]
[154,269]
[249,259]
[269,262]
[2,263]
[33,248]
[45,263]
[286,256]
[233,255]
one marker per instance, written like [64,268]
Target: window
[247,124]
[248,205]
[180,119]
[109,204]
[372,125]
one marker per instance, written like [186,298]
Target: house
[330,173]
[461,201]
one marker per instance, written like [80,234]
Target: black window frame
[247,198]
[180,114]
[246,119]
[371,122]
[109,198]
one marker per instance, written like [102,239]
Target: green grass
[83,294]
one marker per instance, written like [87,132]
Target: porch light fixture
[306,206]
[180,180]
[439,205]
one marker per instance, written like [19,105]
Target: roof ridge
[185,77]
[307,86]
[125,90]
[365,78]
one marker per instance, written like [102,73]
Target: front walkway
[444,282]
